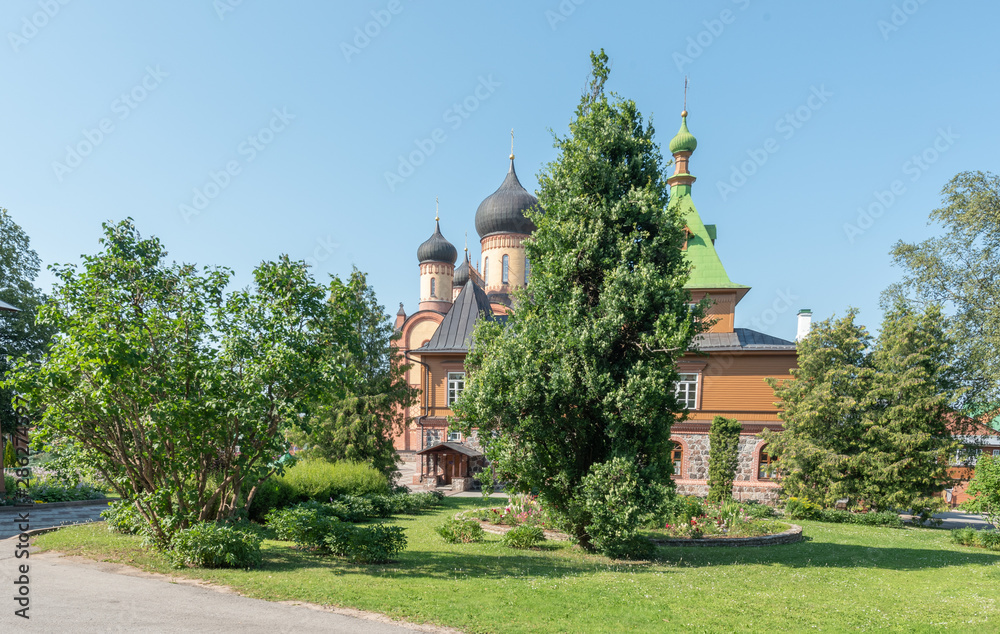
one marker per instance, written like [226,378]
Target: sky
[239,130]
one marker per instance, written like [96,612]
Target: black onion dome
[437,249]
[503,210]
[462,272]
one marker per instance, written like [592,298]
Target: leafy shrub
[872,518]
[679,509]
[273,493]
[801,509]
[338,538]
[723,459]
[464,531]
[989,540]
[964,536]
[306,524]
[384,505]
[355,508]
[757,511]
[321,480]
[51,490]
[523,537]
[122,517]
[619,504]
[376,544]
[211,545]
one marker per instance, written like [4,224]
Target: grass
[843,577]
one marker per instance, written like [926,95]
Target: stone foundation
[693,478]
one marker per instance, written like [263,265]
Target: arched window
[433,287]
[527,270]
[486,270]
[505,271]
[677,456]
[767,466]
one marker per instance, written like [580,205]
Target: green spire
[707,270]
[683,141]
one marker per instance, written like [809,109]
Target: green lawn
[841,578]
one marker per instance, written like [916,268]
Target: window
[505,270]
[486,270]
[454,436]
[676,454]
[456,383]
[433,287]
[687,390]
[996,452]
[527,270]
[768,466]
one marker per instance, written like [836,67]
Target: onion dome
[436,248]
[462,272]
[503,210]
[683,141]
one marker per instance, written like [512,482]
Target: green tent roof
[707,270]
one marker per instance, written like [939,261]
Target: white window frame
[686,389]
[454,436]
[456,383]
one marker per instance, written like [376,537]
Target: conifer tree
[583,372]
[723,457]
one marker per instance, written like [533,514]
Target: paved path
[45,516]
[75,595]
[956,519]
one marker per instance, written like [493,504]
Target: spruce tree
[583,372]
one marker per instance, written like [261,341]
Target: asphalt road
[75,595]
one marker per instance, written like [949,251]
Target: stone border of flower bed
[792,535]
[14,508]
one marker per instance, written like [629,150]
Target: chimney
[805,323]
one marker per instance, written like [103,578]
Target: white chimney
[805,323]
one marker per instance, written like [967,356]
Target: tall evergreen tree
[583,371]
[723,457]
[906,442]
[822,412]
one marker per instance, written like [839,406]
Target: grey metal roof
[5,306]
[462,272]
[503,210]
[436,248]
[741,339]
[453,446]
[454,333]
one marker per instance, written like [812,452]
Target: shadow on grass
[815,554]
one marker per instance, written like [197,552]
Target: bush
[273,493]
[619,504]
[320,480]
[122,517]
[723,459]
[988,539]
[801,509]
[757,511]
[524,537]
[211,545]
[306,524]
[375,544]
[679,510]
[50,490]
[464,531]
[964,536]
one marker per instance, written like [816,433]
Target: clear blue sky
[181,88]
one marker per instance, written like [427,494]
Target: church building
[723,374]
